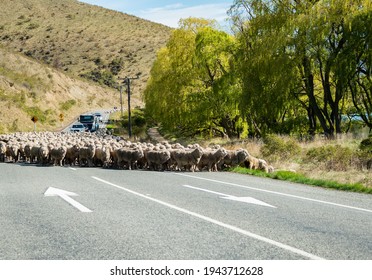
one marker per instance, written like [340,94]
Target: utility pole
[127,81]
[121,100]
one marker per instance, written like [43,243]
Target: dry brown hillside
[28,88]
[72,41]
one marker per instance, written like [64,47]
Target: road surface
[92,213]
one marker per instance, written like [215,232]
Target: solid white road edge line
[278,193]
[216,222]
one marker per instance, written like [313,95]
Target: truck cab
[90,121]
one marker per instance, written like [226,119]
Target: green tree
[192,88]
[306,44]
[356,64]
[266,66]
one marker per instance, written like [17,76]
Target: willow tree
[268,71]
[304,42]
[328,28]
[192,88]
[355,63]
[164,96]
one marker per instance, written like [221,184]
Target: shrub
[102,77]
[365,152]
[67,105]
[36,112]
[33,26]
[138,119]
[116,65]
[276,148]
[333,157]
[366,144]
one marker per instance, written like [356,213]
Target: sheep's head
[242,155]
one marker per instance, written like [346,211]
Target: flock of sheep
[89,150]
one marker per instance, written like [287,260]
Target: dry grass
[71,36]
[344,166]
[27,88]
[45,45]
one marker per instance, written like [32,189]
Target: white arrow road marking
[216,222]
[276,193]
[245,199]
[65,195]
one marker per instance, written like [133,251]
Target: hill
[73,41]
[28,88]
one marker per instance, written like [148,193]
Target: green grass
[299,178]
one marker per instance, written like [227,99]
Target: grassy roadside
[299,178]
[339,164]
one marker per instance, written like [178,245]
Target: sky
[169,12]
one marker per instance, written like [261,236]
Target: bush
[333,157]
[67,105]
[116,65]
[102,77]
[276,148]
[366,145]
[139,122]
[365,153]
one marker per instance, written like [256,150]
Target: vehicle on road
[90,121]
[78,127]
[99,116]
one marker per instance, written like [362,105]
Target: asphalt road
[131,215]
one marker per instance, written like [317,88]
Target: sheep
[128,156]
[2,151]
[43,155]
[57,155]
[262,165]
[102,156]
[72,154]
[34,153]
[233,158]
[251,162]
[157,158]
[12,151]
[258,164]
[211,158]
[86,155]
[27,151]
[188,158]
[88,149]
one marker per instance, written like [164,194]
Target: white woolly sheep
[128,157]
[12,151]
[86,155]
[157,159]
[102,156]
[187,159]
[2,151]
[57,155]
[211,158]
[43,156]
[233,158]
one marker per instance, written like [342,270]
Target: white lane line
[216,222]
[72,168]
[277,193]
[245,199]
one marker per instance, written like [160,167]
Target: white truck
[90,121]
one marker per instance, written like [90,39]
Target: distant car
[99,116]
[78,127]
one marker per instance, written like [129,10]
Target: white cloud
[171,14]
